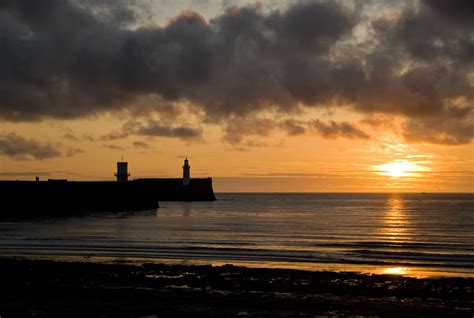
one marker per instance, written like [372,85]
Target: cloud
[70,136]
[153,128]
[69,59]
[141,144]
[21,148]
[116,134]
[293,127]
[113,147]
[247,145]
[439,131]
[333,130]
[433,44]
[70,152]
[454,9]
[239,129]
[156,129]
[63,60]
[244,134]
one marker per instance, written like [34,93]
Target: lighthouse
[122,171]
[186,174]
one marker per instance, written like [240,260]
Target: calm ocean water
[410,234]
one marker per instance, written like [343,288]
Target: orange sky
[303,163]
[299,97]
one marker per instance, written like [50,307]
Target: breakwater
[62,196]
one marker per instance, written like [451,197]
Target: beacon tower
[186,173]
[122,171]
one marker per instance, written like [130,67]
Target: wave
[256,255]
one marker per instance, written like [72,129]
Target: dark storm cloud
[435,92]
[156,129]
[21,148]
[153,129]
[453,9]
[432,34]
[333,130]
[67,59]
[60,59]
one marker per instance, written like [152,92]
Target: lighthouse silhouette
[186,172]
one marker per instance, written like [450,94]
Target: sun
[401,168]
[395,270]
[397,169]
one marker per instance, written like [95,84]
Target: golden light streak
[395,270]
[401,168]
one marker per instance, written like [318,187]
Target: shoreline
[60,288]
[404,270]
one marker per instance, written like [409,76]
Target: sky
[267,96]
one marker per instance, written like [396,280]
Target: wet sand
[75,289]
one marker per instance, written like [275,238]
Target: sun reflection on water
[395,230]
[395,219]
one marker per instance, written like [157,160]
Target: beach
[42,288]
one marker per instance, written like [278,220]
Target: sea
[419,235]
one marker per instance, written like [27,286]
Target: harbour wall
[71,196]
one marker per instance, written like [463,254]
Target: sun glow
[402,168]
[395,270]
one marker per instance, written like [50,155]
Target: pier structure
[61,196]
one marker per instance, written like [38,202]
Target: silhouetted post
[186,172]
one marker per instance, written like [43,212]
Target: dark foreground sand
[47,288]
